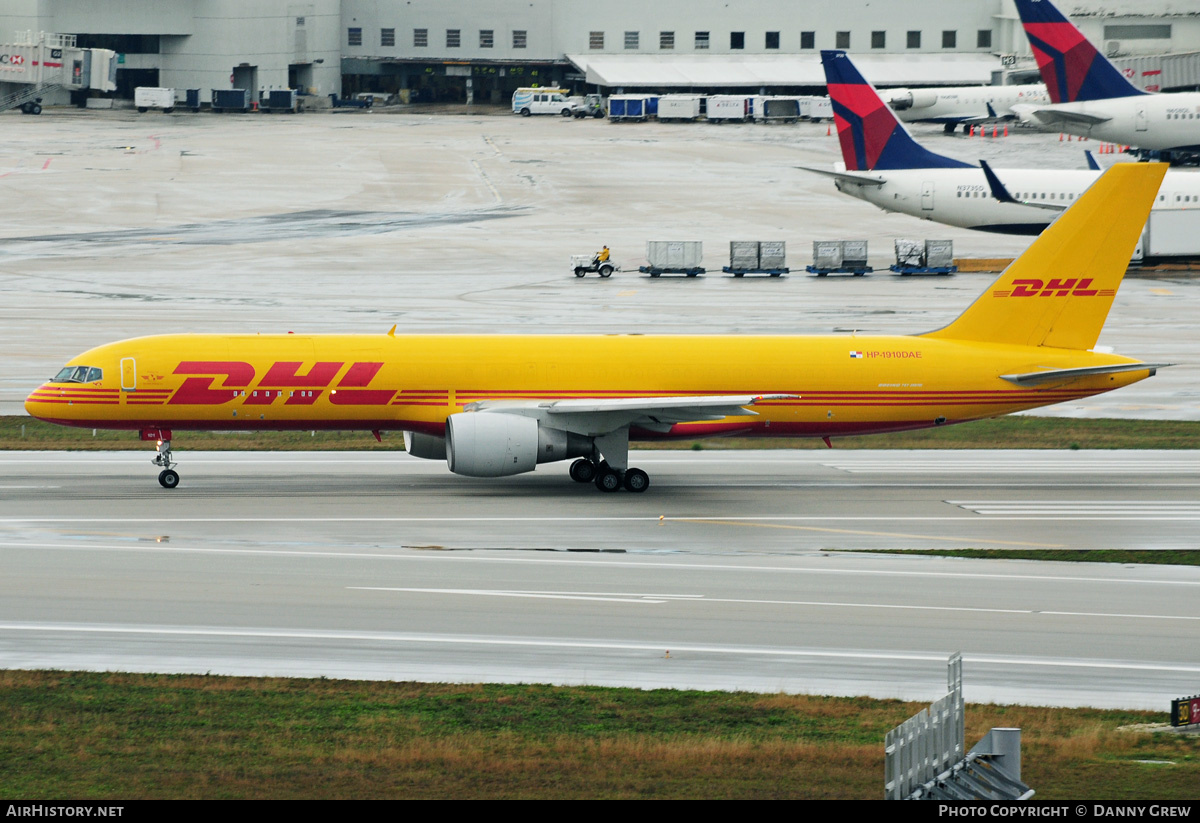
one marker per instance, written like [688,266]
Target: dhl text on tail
[495,405]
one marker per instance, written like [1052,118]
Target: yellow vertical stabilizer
[1059,291]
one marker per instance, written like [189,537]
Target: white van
[539,100]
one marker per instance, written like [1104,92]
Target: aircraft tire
[607,480]
[168,478]
[583,471]
[636,481]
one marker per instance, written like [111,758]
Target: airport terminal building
[481,50]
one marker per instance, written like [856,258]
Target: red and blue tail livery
[1071,67]
[871,135]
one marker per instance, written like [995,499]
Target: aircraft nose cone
[35,402]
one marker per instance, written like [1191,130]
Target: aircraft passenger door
[128,374]
[927,196]
[1140,117]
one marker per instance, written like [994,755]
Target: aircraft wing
[858,178]
[593,416]
[1000,192]
[1062,375]
[1052,117]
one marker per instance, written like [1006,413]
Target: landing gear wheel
[636,481]
[583,471]
[608,480]
[168,478]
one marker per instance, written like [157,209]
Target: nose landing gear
[168,478]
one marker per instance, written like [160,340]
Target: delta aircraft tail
[1072,69]
[871,136]
[1058,293]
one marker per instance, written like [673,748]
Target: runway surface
[382,566]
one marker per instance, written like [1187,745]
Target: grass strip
[1013,432]
[133,736]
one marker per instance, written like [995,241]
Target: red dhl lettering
[238,384]
[1071,287]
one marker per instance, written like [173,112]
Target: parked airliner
[963,105]
[885,166]
[1092,98]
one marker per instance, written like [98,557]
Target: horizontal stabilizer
[1052,117]
[847,176]
[1061,375]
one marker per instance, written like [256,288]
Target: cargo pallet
[857,272]
[924,269]
[740,272]
[654,271]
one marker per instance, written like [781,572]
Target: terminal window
[808,39]
[843,40]
[631,39]
[486,38]
[596,40]
[701,40]
[420,38]
[878,39]
[354,37]
[453,38]
[983,40]
[737,39]
[949,39]
[666,39]
[387,37]
[914,40]
[772,40]
[520,38]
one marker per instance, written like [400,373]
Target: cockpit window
[78,374]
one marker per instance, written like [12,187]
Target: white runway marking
[612,597]
[460,640]
[698,598]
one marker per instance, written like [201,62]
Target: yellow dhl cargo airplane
[495,405]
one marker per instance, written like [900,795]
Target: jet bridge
[38,63]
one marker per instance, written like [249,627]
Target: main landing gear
[168,478]
[608,479]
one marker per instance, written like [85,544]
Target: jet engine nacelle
[495,444]
[904,99]
[425,446]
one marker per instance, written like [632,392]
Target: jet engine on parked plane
[904,99]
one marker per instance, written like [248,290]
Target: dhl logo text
[1072,287]
[214,382]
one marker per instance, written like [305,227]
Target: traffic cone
[1060,137]
[1069,136]
[828,130]
[1006,131]
[970,131]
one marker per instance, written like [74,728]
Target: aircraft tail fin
[1071,67]
[871,136]
[1058,293]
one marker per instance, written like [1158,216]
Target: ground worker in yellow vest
[602,256]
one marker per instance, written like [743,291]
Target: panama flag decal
[856,355]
